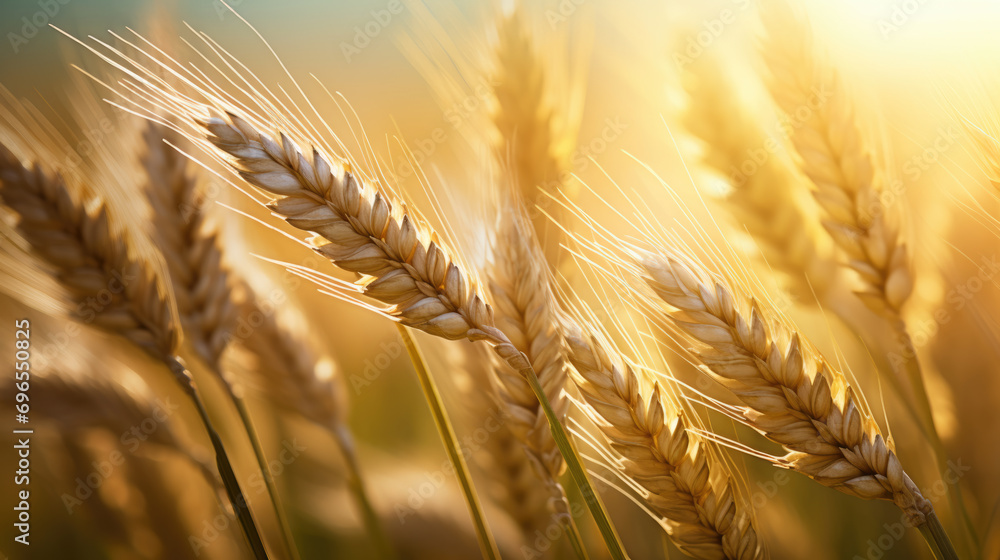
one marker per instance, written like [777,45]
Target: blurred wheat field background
[745,248]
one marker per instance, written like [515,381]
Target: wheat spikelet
[705,514]
[527,312]
[764,200]
[200,278]
[108,287]
[523,118]
[515,484]
[792,394]
[836,157]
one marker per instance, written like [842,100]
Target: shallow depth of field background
[908,73]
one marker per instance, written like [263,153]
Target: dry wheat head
[361,230]
[296,375]
[764,197]
[200,277]
[108,287]
[511,478]
[527,312]
[835,155]
[792,394]
[706,514]
[526,140]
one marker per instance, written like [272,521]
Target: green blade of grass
[578,472]
[486,543]
[925,421]
[573,533]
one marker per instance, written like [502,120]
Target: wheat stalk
[792,394]
[201,281]
[764,197]
[294,377]
[705,513]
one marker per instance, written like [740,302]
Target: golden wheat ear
[92,256]
[88,255]
[704,509]
[181,229]
[765,196]
[528,144]
[527,311]
[849,180]
[837,157]
[791,394]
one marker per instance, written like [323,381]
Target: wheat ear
[200,278]
[705,513]
[792,394]
[90,259]
[526,310]
[523,118]
[361,230]
[837,159]
[514,484]
[849,185]
[765,195]
[296,376]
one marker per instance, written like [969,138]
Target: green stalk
[941,537]
[272,488]
[925,531]
[486,543]
[371,521]
[229,480]
[916,378]
[578,472]
[937,539]
[573,533]
[357,487]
